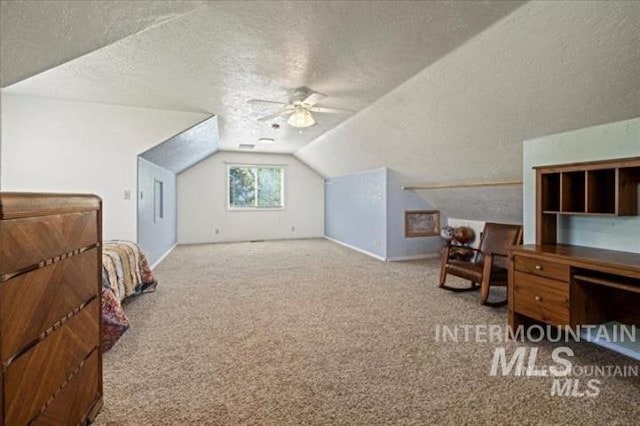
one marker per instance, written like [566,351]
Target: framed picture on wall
[421,223]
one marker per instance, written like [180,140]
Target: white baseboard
[416,257]
[368,253]
[157,262]
[255,240]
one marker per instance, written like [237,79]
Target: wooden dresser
[560,284]
[50,302]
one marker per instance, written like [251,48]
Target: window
[256,187]
[158,200]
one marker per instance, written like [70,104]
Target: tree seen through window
[252,186]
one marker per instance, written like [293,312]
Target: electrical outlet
[216,231]
[293,229]
[127,194]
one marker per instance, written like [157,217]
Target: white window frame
[256,208]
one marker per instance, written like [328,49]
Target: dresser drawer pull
[539,268]
[538,298]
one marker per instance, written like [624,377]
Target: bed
[125,273]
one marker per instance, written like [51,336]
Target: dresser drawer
[31,303]
[542,268]
[75,401]
[29,241]
[540,298]
[33,378]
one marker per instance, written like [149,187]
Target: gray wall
[366,211]
[399,200]
[608,141]
[355,210]
[155,236]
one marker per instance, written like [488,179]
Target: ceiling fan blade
[260,101]
[314,98]
[328,110]
[283,112]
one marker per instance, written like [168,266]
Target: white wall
[202,203]
[61,146]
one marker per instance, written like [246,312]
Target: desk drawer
[542,268]
[541,299]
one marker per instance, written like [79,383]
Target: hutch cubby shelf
[602,188]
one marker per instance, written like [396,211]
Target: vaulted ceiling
[38,35]
[443,91]
[214,58]
[546,68]
[187,148]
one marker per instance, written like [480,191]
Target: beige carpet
[309,332]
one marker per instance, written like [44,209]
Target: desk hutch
[561,284]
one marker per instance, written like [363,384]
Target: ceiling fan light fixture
[301,118]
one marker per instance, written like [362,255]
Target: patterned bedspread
[125,273]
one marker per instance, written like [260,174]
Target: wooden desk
[572,285]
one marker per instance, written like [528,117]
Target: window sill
[255,209]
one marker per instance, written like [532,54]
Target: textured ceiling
[39,35]
[545,68]
[187,148]
[220,56]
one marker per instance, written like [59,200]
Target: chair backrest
[497,238]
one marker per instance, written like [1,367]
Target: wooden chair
[489,265]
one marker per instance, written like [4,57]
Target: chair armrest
[472,249]
[491,257]
[448,252]
[486,253]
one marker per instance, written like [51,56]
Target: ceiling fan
[299,108]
